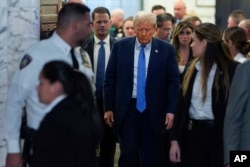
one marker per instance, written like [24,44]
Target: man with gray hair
[140,93]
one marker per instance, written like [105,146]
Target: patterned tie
[74,60]
[141,81]
[100,69]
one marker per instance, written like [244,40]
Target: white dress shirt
[200,110]
[240,57]
[147,51]
[96,50]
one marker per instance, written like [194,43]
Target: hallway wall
[203,10]
[19,29]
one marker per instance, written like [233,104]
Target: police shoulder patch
[25,61]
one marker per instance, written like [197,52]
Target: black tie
[74,60]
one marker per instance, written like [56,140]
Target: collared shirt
[199,110]
[54,103]
[147,51]
[96,51]
[240,57]
[23,91]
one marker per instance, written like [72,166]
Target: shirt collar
[198,66]
[97,40]
[61,43]
[54,103]
[138,44]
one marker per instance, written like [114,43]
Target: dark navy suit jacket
[162,84]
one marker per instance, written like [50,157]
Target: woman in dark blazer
[69,134]
[198,124]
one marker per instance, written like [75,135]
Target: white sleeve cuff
[13,146]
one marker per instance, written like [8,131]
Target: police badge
[25,61]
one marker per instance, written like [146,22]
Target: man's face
[101,24]
[164,31]
[230,22]
[179,10]
[144,32]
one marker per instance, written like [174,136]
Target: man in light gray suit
[237,120]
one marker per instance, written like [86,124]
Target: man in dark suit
[237,122]
[140,93]
[101,24]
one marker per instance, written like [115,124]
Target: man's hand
[169,120]
[109,118]
[174,152]
[14,160]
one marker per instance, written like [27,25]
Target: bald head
[117,16]
[245,24]
[179,9]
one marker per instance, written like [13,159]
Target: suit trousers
[204,146]
[140,146]
[108,144]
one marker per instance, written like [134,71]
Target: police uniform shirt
[23,92]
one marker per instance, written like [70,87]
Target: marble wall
[19,29]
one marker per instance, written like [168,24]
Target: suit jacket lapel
[130,58]
[152,60]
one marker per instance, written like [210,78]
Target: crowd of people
[170,89]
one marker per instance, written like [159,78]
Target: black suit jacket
[219,104]
[162,84]
[66,138]
[89,47]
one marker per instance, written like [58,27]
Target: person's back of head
[70,12]
[238,38]
[158,9]
[235,17]
[74,23]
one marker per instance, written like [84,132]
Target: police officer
[73,27]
